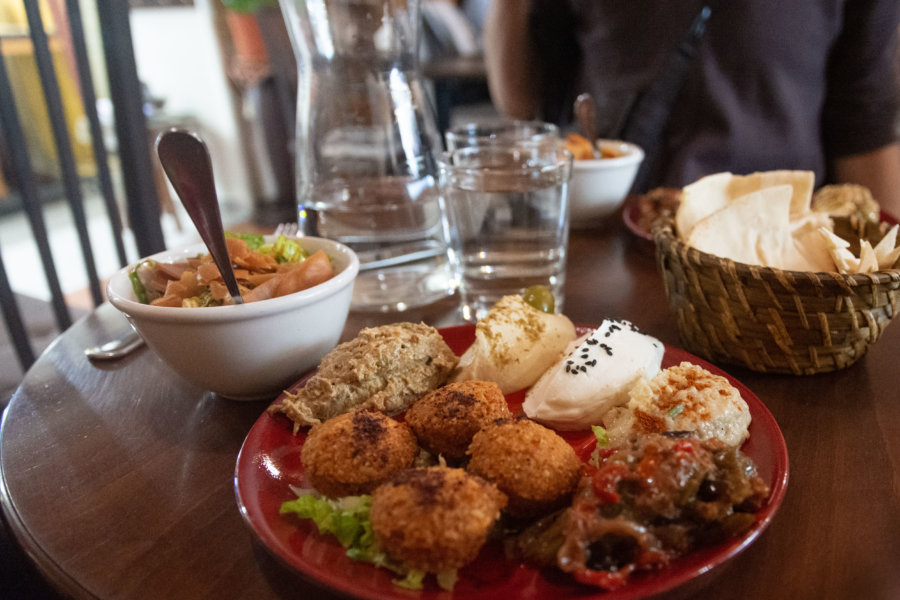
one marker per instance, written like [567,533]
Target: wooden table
[117,478]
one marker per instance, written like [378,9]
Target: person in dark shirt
[773,85]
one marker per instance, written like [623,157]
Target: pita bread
[701,199]
[713,192]
[767,219]
[809,253]
[753,229]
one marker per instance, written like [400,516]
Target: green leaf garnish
[348,520]
[254,240]
[140,292]
[412,581]
[601,434]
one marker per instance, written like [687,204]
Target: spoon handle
[186,161]
[586,114]
[116,348]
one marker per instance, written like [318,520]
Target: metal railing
[141,200]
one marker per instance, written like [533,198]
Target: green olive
[540,297]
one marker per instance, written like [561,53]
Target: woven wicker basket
[771,320]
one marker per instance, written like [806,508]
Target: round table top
[117,478]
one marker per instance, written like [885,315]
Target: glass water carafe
[366,145]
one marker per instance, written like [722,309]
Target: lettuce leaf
[348,520]
[286,250]
[254,240]
[283,249]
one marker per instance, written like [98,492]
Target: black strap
[647,118]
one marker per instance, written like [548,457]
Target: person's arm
[878,170]
[509,58]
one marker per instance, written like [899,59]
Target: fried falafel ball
[536,468]
[445,419]
[353,453]
[434,518]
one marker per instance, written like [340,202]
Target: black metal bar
[89,98]
[131,127]
[23,176]
[13,317]
[69,172]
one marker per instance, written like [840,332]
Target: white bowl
[599,186]
[250,351]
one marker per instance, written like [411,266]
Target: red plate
[269,462]
[631,213]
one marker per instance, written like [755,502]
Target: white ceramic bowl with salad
[250,351]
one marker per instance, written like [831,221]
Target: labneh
[594,376]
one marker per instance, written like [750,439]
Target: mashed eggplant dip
[421,494]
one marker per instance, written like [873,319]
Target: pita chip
[886,251]
[844,261]
[868,263]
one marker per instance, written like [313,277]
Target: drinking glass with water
[507,213]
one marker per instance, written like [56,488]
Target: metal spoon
[116,348]
[586,114]
[185,159]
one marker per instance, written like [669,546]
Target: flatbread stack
[767,219]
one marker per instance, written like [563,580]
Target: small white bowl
[599,186]
[250,351]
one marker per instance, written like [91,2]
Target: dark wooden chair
[141,199]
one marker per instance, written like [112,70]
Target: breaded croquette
[354,452]
[445,419]
[434,518]
[531,464]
